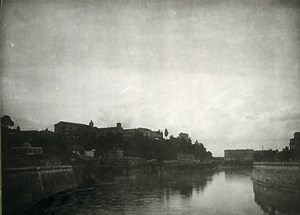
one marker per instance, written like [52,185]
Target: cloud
[219,71]
[286,114]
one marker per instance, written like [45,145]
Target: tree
[6,121]
[208,154]
[200,152]
[166,132]
[285,154]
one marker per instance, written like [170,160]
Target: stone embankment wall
[24,186]
[281,175]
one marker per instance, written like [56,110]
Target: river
[189,192]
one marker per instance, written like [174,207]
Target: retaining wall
[281,175]
[24,186]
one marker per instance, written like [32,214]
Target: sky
[225,72]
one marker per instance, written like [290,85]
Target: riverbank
[23,187]
[34,184]
[279,175]
[235,164]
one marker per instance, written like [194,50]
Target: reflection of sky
[226,72]
[232,196]
[233,175]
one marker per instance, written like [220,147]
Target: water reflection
[235,175]
[126,196]
[186,183]
[190,192]
[275,201]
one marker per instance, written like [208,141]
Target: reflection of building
[185,159]
[114,154]
[26,149]
[239,154]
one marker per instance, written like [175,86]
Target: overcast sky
[226,72]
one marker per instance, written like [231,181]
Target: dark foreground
[189,192]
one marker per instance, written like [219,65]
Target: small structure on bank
[25,150]
[90,153]
[185,159]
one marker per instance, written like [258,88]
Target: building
[295,147]
[129,133]
[151,134]
[23,136]
[118,130]
[90,153]
[184,136]
[84,137]
[25,150]
[295,142]
[239,154]
[68,128]
[265,155]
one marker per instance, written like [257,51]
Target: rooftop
[239,150]
[70,123]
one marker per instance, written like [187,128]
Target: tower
[91,124]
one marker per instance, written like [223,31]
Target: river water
[189,192]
